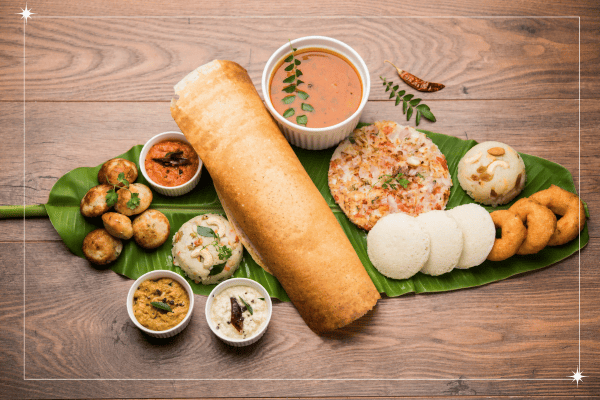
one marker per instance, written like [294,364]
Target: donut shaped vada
[569,206]
[540,222]
[513,235]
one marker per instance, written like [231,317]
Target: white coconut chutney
[254,316]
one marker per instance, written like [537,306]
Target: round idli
[492,173]
[479,233]
[446,242]
[397,246]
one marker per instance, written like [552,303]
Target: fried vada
[513,235]
[540,223]
[109,173]
[100,248]
[569,207]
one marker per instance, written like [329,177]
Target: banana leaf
[65,196]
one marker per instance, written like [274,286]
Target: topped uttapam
[386,168]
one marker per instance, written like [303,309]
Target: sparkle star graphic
[26,13]
[577,376]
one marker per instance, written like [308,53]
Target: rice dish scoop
[479,233]
[492,173]
[397,246]
[446,242]
[204,257]
[387,168]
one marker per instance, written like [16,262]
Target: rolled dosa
[265,189]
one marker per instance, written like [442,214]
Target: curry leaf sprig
[293,82]
[408,103]
[112,196]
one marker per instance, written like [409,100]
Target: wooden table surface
[97,86]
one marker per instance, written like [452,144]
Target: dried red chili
[237,319]
[417,83]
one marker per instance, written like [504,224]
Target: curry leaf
[302,120]
[289,99]
[161,306]
[307,107]
[302,95]
[205,231]
[248,306]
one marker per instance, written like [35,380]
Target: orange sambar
[171,175]
[332,83]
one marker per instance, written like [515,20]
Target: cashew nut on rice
[207,258]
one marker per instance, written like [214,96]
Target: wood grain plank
[96,132]
[310,8]
[105,60]
[523,327]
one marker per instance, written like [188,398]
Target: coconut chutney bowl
[246,298]
[157,275]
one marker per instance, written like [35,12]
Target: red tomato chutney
[171,163]
[332,83]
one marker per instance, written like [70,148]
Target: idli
[478,232]
[446,242]
[397,246]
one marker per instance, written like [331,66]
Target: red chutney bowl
[160,187]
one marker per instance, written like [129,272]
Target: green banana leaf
[65,196]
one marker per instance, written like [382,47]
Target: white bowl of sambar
[316,88]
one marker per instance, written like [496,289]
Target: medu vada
[569,207]
[513,235]
[540,223]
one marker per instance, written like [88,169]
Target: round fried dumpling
[99,247]
[151,229]
[109,173]
[118,225]
[93,203]
[144,194]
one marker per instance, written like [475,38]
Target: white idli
[446,242]
[479,233]
[397,246]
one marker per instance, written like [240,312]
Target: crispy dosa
[265,189]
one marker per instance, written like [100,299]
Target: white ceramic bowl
[238,282]
[166,190]
[157,275]
[317,138]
